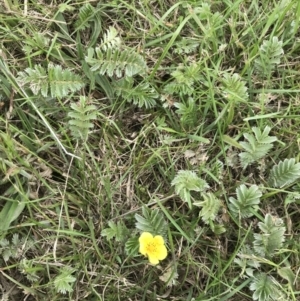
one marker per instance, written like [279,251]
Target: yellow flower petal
[158,240]
[144,240]
[153,260]
[153,247]
[162,253]
[145,237]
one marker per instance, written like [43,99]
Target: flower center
[151,248]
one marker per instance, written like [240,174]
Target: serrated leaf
[116,62]
[186,181]
[270,53]
[115,230]
[210,207]
[142,95]
[60,81]
[234,88]
[85,17]
[82,116]
[257,146]
[6,254]
[247,201]
[63,81]
[263,137]
[152,221]
[264,288]
[64,281]
[271,238]
[15,239]
[132,246]
[4,242]
[218,229]
[285,173]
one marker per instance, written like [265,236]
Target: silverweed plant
[149,150]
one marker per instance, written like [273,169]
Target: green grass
[103,104]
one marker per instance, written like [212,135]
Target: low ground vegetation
[127,126]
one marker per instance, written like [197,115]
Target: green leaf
[247,201]
[152,221]
[115,230]
[62,82]
[142,95]
[132,246]
[187,111]
[246,259]
[285,173]
[64,281]
[110,40]
[271,237]
[82,115]
[210,207]
[170,276]
[85,17]
[37,79]
[116,62]
[287,274]
[263,137]
[186,181]
[59,81]
[270,54]
[184,79]
[234,89]
[257,146]
[264,288]
[9,213]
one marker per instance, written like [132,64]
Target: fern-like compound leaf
[186,46]
[271,237]
[81,116]
[234,88]
[16,247]
[37,79]
[270,54]
[110,40]
[64,281]
[210,207]
[38,41]
[265,288]
[184,79]
[246,260]
[30,269]
[142,95]
[217,169]
[86,15]
[132,246]
[285,173]
[186,181]
[263,137]
[257,147]
[187,112]
[115,230]
[151,221]
[247,201]
[116,62]
[61,81]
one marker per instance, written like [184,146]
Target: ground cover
[149,150]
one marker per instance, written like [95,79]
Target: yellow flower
[153,247]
